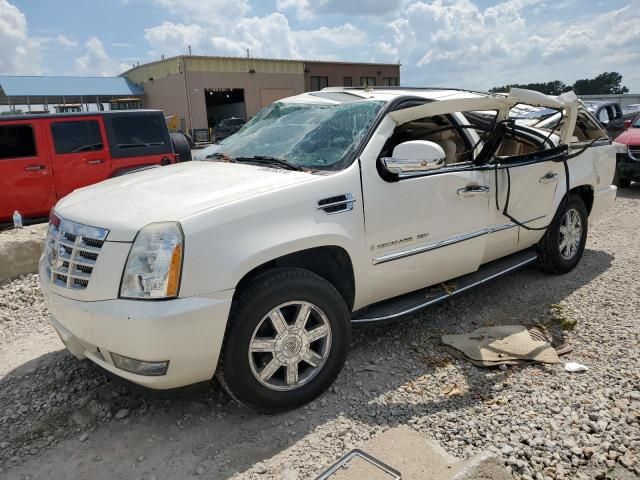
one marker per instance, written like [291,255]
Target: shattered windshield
[315,136]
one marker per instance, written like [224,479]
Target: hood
[630,136]
[125,204]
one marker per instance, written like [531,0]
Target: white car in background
[328,209]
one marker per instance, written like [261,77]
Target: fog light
[139,367]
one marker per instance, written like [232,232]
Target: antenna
[189,47]
[248,55]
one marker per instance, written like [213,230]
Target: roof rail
[381,87]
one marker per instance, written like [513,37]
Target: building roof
[261,59]
[32,86]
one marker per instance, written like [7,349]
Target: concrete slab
[20,250]
[418,458]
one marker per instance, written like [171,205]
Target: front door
[428,228]
[424,230]
[25,175]
[78,153]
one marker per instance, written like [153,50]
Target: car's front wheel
[288,337]
[562,246]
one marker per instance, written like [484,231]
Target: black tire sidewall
[560,263]
[291,284]
[180,146]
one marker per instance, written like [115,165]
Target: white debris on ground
[63,419]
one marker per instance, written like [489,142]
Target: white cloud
[456,42]
[306,9]
[65,41]
[211,12]
[270,36]
[170,38]
[19,54]
[96,61]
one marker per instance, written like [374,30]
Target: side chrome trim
[446,295]
[445,243]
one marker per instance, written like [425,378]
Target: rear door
[79,154]
[138,138]
[25,175]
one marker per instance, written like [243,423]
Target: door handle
[95,162]
[35,168]
[549,177]
[471,190]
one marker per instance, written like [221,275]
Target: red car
[628,163]
[45,157]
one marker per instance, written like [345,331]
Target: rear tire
[562,246]
[280,364]
[180,146]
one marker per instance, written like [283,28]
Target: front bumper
[187,332]
[603,200]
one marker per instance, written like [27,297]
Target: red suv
[45,157]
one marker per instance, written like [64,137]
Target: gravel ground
[61,418]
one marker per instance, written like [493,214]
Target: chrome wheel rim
[570,234]
[290,345]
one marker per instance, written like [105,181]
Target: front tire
[562,246]
[288,337]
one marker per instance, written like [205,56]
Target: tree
[605,83]
[555,87]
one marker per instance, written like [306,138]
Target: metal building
[204,90]
[68,94]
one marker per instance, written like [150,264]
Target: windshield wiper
[220,156]
[271,161]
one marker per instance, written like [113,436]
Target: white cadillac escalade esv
[328,209]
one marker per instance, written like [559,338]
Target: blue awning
[44,86]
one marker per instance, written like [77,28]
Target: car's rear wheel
[181,146]
[562,246]
[288,337]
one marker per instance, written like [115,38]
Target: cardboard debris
[506,345]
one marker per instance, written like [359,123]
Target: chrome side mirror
[415,157]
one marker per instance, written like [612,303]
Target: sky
[474,44]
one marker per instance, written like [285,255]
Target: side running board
[425,297]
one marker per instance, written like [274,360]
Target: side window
[603,115]
[587,129]
[134,131]
[17,141]
[75,137]
[438,129]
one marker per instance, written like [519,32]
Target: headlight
[155,263]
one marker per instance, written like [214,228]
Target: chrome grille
[634,152]
[72,250]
